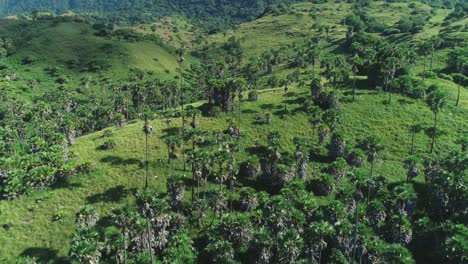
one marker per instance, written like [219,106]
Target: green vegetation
[320,132]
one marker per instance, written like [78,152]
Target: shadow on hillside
[298,100]
[439,132]
[171,130]
[44,255]
[405,101]
[114,194]
[115,160]
[267,106]
[249,111]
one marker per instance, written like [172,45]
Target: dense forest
[210,15]
[234,132]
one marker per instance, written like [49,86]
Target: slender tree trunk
[355,232]
[183,115]
[146,162]
[313,70]
[354,86]
[434,133]
[459,87]
[312,140]
[370,176]
[424,67]
[193,183]
[125,247]
[150,244]
[231,191]
[432,59]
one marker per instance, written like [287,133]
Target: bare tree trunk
[434,133]
[146,162]
[459,86]
[150,244]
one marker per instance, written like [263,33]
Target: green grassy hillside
[73,47]
[120,171]
[42,223]
[271,31]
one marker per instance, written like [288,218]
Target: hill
[354,149]
[75,52]
[207,14]
[120,171]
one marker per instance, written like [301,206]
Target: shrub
[429,75]
[253,96]
[109,144]
[445,77]
[29,60]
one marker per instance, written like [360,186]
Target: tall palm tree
[148,129]
[180,52]
[436,100]
[372,146]
[316,237]
[356,61]
[414,129]
[461,62]
[434,42]
[85,247]
[424,48]
[315,117]
[123,218]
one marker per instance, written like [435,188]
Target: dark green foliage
[210,15]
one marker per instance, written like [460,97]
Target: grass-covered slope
[120,171]
[74,48]
[299,21]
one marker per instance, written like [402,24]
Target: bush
[108,144]
[429,75]
[253,96]
[86,167]
[29,60]
[445,77]
[214,111]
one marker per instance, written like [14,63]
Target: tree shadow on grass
[298,100]
[115,160]
[114,194]
[44,255]
[267,106]
[171,130]
[405,101]
[249,111]
[259,150]
[439,132]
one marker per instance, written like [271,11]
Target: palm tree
[436,101]
[434,42]
[414,129]
[371,145]
[85,247]
[123,218]
[316,236]
[148,129]
[337,146]
[461,63]
[356,61]
[411,166]
[424,48]
[315,117]
[301,159]
[289,246]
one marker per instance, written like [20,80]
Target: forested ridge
[217,14]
